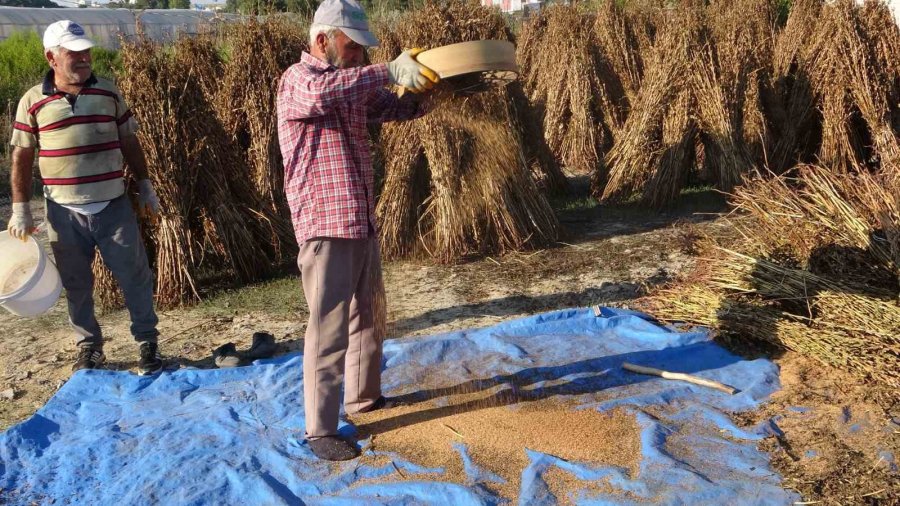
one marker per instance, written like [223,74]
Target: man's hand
[405,71]
[148,202]
[21,224]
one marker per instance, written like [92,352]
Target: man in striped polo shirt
[81,131]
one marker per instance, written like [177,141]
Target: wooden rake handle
[679,376]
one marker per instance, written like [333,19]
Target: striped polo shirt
[77,138]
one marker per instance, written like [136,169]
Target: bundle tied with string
[479,195]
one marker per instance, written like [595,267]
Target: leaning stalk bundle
[222,185]
[563,79]
[792,103]
[481,196]
[679,135]
[726,83]
[639,147]
[259,54]
[158,91]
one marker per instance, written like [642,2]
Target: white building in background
[105,26]
[513,5]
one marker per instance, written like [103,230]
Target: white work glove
[148,202]
[21,224]
[405,71]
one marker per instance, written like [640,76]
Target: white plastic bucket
[29,282]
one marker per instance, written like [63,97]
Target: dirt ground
[839,445]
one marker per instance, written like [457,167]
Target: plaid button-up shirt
[323,114]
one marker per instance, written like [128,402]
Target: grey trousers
[74,238]
[341,280]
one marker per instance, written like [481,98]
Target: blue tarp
[235,436]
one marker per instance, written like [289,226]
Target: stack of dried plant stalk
[815,271]
[884,39]
[654,144]
[831,339]
[258,54]
[875,72]
[855,77]
[237,225]
[480,197]
[624,38]
[867,83]
[679,138]
[562,78]
[791,104]
[545,165]
[214,220]
[526,119]
[726,81]
[160,94]
[819,208]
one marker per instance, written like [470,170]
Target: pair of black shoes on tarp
[263,346]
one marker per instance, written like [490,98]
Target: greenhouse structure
[105,26]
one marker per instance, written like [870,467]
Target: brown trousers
[343,287]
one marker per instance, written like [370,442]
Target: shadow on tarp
[593,375]
[606,293]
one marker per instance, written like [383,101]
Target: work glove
[148,202]
[405,71]
[21,224]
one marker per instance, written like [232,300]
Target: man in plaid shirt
[324,105]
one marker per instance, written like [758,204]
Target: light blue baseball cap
[349,17]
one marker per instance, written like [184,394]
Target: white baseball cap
[349,17]
[67,34]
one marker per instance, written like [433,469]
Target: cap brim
[78,44]
[361,37]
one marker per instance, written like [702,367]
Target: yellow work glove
[408,73]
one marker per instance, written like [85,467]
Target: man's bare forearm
[134,157]
[20,177]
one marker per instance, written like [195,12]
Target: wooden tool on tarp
[679,376]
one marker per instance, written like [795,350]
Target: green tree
[180,4]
